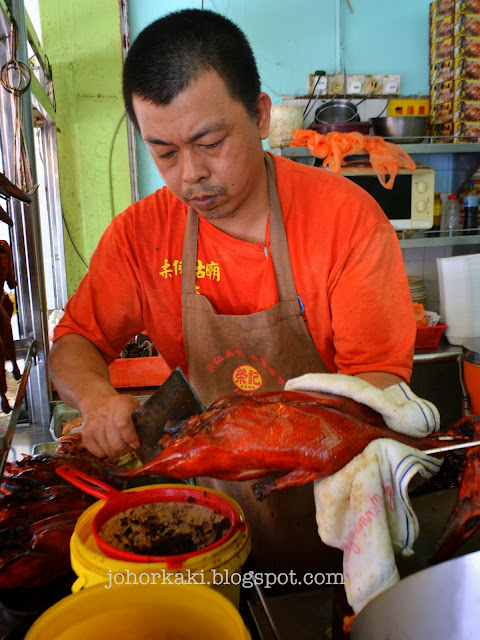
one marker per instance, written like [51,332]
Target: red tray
[429,336]
[138,372]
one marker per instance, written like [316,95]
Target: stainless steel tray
[47,448]
[61,414]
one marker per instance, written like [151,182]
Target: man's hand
[107,429]
[80,374]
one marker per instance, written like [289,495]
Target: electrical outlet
[391,84]
[374,85]
[335,84]
[317,85]
[356,84]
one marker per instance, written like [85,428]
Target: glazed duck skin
[298,436]
[465,518]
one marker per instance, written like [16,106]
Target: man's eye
[166,156]
[212,145]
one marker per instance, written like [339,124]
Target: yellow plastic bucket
[219,568]
[162,612]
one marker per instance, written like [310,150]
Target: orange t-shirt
[346,262]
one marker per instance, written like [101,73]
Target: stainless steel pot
[401,129]
[336,111]
[441,602]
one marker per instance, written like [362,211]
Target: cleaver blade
[174,400]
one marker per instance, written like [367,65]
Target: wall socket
[359,84]
[317,85]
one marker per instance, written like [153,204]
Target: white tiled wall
[421,261]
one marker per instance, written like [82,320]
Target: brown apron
[258,352]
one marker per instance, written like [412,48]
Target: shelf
[412,149]
[461,147]
[445,351]
[428,241]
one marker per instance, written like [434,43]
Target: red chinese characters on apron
[243,354]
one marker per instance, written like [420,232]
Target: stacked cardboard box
[455,70]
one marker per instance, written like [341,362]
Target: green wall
[83,43]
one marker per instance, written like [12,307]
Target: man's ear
[262,114]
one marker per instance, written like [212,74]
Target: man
[241,287]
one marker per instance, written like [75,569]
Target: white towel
[401,409]
[364,509]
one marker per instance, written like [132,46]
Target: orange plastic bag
[420,317]
[386,158]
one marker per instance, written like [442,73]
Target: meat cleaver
[174,400]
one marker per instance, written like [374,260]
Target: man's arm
[380,379]
[80,374]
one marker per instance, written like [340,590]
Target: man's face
[206,146]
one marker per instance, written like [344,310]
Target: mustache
[206,190]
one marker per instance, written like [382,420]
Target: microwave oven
[409,204]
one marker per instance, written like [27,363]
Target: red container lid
[129,500]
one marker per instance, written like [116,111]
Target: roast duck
[283,439]
[287,438]
[38,513]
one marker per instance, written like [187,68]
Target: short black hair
[172,51]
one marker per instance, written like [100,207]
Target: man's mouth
[204,203]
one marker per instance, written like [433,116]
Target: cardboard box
[443,133]
[441,8]
[468,6]
[442,92]
[466,89]
[467,132]
[467,68]
[442,113]
[467,25]
[443,28]
[442,71]
[467,47]
[458,47]
[442,50]
[466,111]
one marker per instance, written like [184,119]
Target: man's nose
[194,168]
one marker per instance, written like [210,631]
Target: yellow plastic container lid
[143,612]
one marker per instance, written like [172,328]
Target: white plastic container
[451,216]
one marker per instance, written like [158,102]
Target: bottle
[437,213]
[470,209]
[451,217]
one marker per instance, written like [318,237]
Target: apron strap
[278,240]
[189,253]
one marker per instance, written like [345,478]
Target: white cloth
[401,409]
[364,509]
